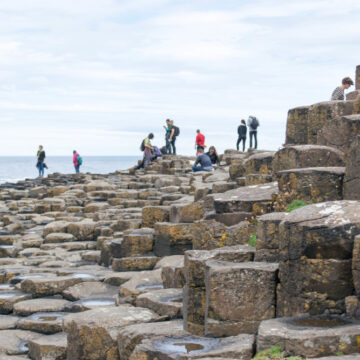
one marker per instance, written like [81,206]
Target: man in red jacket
[200,140]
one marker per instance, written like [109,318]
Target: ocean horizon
[16,168]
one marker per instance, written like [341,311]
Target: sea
[16,168]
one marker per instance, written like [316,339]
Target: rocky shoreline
[168,264]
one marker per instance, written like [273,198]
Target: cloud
[103,74]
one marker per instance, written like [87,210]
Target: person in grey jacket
[242,130]
[253,124]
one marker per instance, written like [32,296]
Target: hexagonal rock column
[239,296]
[194,347]
[321,113]
[210,234]
[340,132]
[257,199]
[297,125]
[315,184]
[172,239]
[153,214]
[92,335]
[194,290]
[268,238]
[352,173]
[304,156]
[309,336]
[259,163]
[316,244]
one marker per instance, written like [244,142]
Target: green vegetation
[275,352]
[339,353]
[252,240]
[295,204]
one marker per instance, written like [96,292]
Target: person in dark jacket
[203,162]
[242,130]
[213,155]
[41,160]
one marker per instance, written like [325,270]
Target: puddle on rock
[178,298]
[190,347]
[85,276]
[150,287]
[321,322]
[23,347]
[46,316]
[20,278]
[97,302]
[6,295]
[186,345]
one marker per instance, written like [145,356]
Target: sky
[98,75]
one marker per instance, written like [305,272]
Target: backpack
[142,146]
[79,160]
[254,123]
[176,131]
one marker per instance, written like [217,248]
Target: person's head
[74,152]
[347,82]
[171,122]
[40,147]
[168,121]
[200,150]
[198,131]
[243,122]
[212,150]
[151,136]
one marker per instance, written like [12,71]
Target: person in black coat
[242,130]
[213,155]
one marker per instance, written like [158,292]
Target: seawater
[15,168]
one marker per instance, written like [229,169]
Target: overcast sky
[97,75]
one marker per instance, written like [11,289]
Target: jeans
[170,144]
[253,134]
[77,168]
[243,139]
[41,168]
[201,168]
[147,157]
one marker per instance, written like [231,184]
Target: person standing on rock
[339,92]
[148,150]
[242,130]
[77,161]
[41,160]
[200,140]
[169,135]
[253,124]
[203,162]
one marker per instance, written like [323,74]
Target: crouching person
[203,161]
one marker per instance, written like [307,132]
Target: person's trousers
[77,168]
[243,139]
[170,146]
[201,168]
[41,168]
[253,134]
[147,157]
[172,143]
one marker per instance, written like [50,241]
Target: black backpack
[176,131]
[254,122]
[142,146]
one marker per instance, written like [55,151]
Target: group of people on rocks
[204,161]
[41,161]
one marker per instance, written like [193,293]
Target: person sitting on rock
[148,150]
[338,93]
[203,162]
[213,155]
